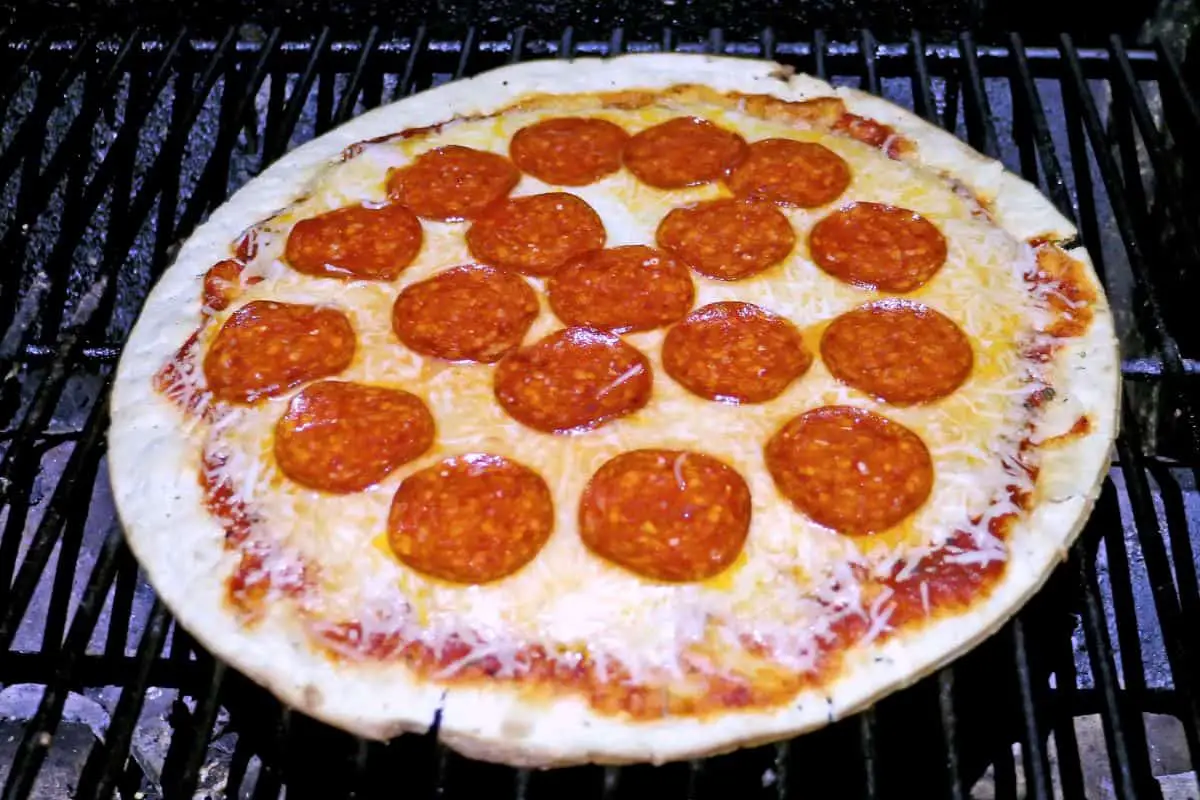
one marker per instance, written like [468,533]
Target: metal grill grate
[113,149]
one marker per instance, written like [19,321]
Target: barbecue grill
[114,146]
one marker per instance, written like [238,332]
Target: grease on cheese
[794,579]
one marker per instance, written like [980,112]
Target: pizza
[614,410]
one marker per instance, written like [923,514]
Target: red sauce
[254,577]
[1067,288]
[221,503]
[409,133]
[172,380]
[1081,427]
[246,247]
[949,585]
[865,130]
[874,133]
[570,672]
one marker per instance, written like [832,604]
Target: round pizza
[614,410]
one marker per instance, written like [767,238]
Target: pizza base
[182,548]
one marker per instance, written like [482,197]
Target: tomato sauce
[174,380]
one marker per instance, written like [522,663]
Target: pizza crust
[181,546]
[1016,205]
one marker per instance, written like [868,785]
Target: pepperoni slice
[735,352]
[356,242]
[878,246]
[453,182]
[849,469]
[470,519]
[343,437]
[469,313]
[569,151]
[574,379]
[791,173]
[727,239]
[669,515]
[682,152]
[535,234]
[621,289]
[222,284]
[899,351]
[266,348]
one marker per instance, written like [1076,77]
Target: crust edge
[463,709]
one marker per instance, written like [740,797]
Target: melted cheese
[794,580]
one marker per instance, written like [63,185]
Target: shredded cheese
[796,579]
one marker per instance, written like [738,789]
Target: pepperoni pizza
[617,410]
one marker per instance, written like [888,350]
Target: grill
[113,148]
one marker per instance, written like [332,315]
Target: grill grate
[113,149]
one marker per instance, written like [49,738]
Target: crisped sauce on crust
[261,569]
[1070,293]
[1079,428]
[827,114]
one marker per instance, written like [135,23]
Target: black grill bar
[404,86]
[122,604]
[105,764]
[982,135]
[1110,172]
[1182,548]
[870,759]
[70,498]
[213,184]
[1131,661]
[28,138]
[1128,95]
[269,779]
[21,69]
[1129,450]
[1178,638]
[870,71]
[36,192]
[33,126]
[980,131]
[1115,728]
[1029,107]
[819,47]
[170,156]
[922,96]
[275,146]
[945,684]
[69,189]
[39,732]
[169,199]
[468,49]
[354,86]
[922,93]
[1066,743]
[1176,86]
[182,768]
[1036,760]
[1005,774]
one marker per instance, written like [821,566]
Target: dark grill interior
[114,148]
